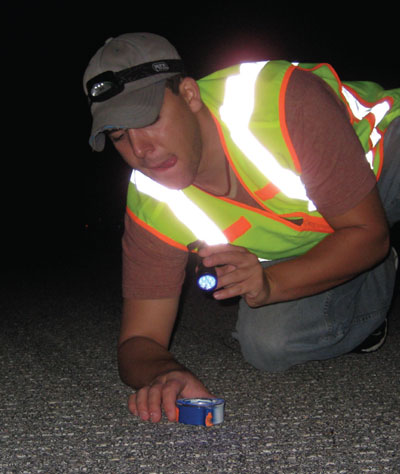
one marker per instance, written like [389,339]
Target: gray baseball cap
[125,82]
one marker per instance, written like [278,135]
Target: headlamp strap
[109,83]
[141,71]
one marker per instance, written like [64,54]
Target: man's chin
[177,186]
[171,182]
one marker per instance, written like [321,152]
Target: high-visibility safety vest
[247,102]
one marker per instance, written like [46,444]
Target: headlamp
[104,86]
[110,83]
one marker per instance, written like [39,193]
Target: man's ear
[190,92]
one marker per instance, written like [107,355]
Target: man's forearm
[360,240]
[338,258]
[141,360]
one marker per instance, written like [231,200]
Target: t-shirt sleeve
[334,169]
[151,268]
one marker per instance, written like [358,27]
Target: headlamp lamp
[110,83]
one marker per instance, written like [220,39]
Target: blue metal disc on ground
[200,411]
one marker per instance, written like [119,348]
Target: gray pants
[332,323]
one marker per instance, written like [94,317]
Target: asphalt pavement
[63,407]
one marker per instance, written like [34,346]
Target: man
[273,163]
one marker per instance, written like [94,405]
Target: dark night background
[63,405]
[58,197]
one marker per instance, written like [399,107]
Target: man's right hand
[145,363]
[162,393]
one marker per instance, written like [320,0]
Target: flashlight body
[206,277]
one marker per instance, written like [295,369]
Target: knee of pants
[276,337]
[265,350]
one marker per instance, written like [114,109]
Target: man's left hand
[239,273]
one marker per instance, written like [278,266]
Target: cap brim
[130,109]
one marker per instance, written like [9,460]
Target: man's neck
[213,173]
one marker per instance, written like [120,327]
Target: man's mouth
[164,165]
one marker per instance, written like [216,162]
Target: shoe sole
[376,346]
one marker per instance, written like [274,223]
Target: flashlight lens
[207,282]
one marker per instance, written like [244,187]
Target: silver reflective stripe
[184,209]
[236,112]
[360,111]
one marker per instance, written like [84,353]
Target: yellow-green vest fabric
[284,226]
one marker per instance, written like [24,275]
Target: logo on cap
[160,67]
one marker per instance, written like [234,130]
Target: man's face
[167,151]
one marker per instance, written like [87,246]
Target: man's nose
[140,142]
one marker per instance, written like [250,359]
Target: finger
[154,402]
[132,404]
[256,294]
[142,403]
[224,270]
[233,257]
[229,276]
[196,245]
[170,394]
[239,282]
[208,250]
[228,292]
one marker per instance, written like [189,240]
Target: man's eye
[116,137]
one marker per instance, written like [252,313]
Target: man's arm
[145,363]
[359,241]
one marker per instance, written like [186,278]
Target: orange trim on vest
[237,229]
[370,118]
[282,118]
[316,224]
[267,192]
[380,149]
[364,102]
[155,232]
[313,223]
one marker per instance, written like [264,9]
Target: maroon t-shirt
[334,170]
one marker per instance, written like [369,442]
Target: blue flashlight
[207,279]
